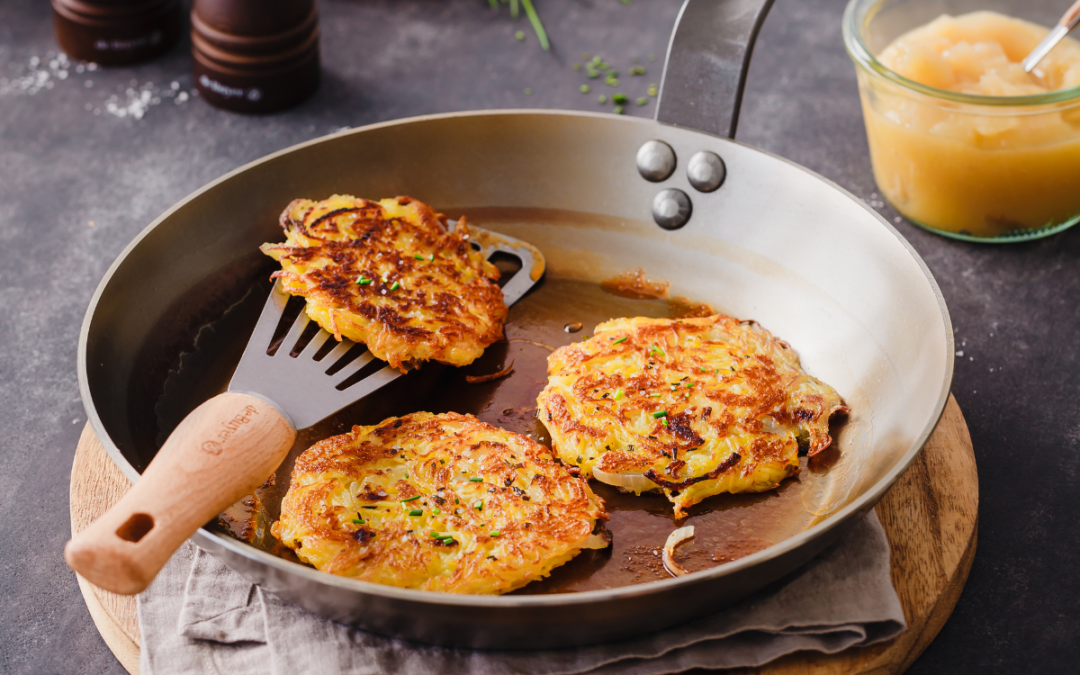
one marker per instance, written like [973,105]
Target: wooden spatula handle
[222,451]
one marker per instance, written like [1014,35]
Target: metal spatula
[233,442]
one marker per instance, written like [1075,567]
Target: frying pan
[597,194]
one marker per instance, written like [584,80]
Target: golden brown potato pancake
[388,274]
[694,407]
[438,503]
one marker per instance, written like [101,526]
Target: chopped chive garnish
[584,89]
[618,395]
[456,500]
[479,505]
[664,420]
[363,281]
[689,385]
[410,499]
[577,67]
[396,285]
[520,35]
[653,90]
[494,533]
[643,100]
[358,521]
[611,81]
[418,256]
[619,98]
[476,479]
[528,92]
[369,507]
[655,395]
[659,413]
[406,475]
[416,512]
[637,70]
[431,257]
[436,510]
[602,98]
[434,535]
[622,339]
[618,110]
[653,349]
[593,74]
[446,537]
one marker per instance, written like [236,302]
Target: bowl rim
[859,12]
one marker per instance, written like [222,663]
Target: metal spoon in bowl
[1065,24]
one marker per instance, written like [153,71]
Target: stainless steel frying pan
[752,234]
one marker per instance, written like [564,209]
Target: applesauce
[962,140]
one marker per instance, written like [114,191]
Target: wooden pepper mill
[117,32]
[255,56]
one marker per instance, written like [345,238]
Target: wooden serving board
[930,517]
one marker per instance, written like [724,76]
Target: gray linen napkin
[200,617]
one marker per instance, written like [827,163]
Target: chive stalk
[410,499]
[416,512]
[534,19]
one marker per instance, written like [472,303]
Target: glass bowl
[979,168]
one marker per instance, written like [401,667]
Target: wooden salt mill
[255,56]
[117,32]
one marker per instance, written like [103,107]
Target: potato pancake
[389,275]
[694,407]
[438,503]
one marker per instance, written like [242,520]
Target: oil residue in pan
[727,526]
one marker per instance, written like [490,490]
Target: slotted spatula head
[230,444]
[309,383]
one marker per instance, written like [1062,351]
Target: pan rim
[858,506]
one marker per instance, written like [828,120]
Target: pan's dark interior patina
[775,243]
[557,312]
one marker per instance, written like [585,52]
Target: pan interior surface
[775,243]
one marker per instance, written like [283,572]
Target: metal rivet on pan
[671,209]
[655,161]
[706,171]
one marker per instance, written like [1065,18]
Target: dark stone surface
[67,161]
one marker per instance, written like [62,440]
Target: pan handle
[707,60]
[222,451]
